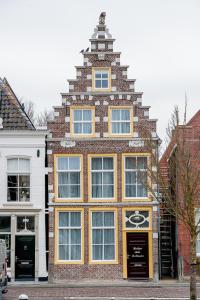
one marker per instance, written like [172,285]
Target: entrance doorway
[25,257]
[137,255]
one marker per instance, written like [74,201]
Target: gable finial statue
[102,18]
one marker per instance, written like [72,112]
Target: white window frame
[103,171]
[134,170]
[66,171]
[101,71]
[120,121]
[19,173]
[69,228]
[83,121]
[103,244]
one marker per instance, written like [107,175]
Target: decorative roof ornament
[102,18]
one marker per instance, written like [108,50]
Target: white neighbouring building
[22,190]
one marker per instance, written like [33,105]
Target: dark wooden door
[25,257]
[137,255]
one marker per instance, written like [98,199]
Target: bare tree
[178,178]
[29,108]
[44,117]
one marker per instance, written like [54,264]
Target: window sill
[18,204]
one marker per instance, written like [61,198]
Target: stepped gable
[101,54]
[12,114]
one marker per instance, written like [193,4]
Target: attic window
[101,79]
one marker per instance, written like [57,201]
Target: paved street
[90,293]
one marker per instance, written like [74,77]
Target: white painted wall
[21,143]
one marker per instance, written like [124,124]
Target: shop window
[70,236]
[136,177]
[137,219]
[103,236]
[102,177]
[18,178]
[25,224]
[69,177]
[5,234]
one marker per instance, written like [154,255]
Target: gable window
[82,121]
[102,177]
[18,179]
[69,177]
[69,236]
[103,236]
[135,177]
[120,120]
[101,78]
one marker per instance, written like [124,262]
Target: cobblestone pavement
[90,293]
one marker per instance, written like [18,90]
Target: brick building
[175,237]
[103,221]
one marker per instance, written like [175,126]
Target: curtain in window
[78,115]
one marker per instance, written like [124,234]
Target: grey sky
[40,41]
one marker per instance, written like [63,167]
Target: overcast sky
[40,41]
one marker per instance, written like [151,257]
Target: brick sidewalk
[58,293]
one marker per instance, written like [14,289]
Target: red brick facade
[60,141]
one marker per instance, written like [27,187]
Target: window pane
[63,219]
[24,181]
[74,163]
[107,163]
[108,219]
[130,162]
[87,115]
[97,219]
[105,75]
[64,252]
[7,238]
[97,178]
[97,191]
[87,128]
[74,191]
[12,181]
[108,191]
[12,165]
[98,83]
[108,178]
[75,252]
[142,191]
[109,237]
[75,219]
[105,84]
[63,163]
[125,128]
[24,165]
[97,75]
[97,252]
[115,114]
[12,194]
[125,114]
[78,128]
[116,127]
[109,252]
[4,224]
[63,191]
[130,191]
[24,194]
[97,163]
[76,236]
[142,163]
[63,178]
[130,177]
[78,115]
[97,236]
[63,236]
[25,223]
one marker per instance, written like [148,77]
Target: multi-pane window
[103,236]
[135,177]
[120,121]
[69,236]
[5,234]
[26,224]
[102,177]
[18,176]
[82,121]
[69,177]
[101,79]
